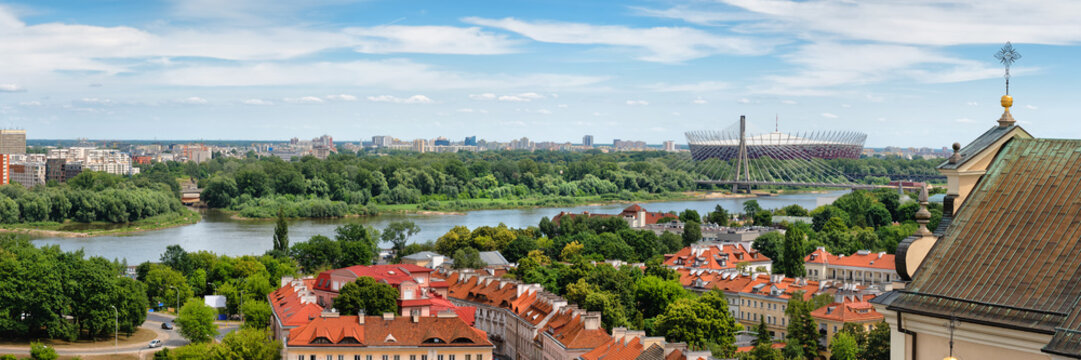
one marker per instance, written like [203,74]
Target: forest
[364,183]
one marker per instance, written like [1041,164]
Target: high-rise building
[470,141]
[669,145]
[12,141]
[441,141]
[28,174]
[420,145]
[382,140]
[5,160]
[587,141]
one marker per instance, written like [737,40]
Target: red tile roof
[395,274]
[786,286]
[715,257]
[288,304]
[862,259]
[616,350]
[401,331]
[466,313]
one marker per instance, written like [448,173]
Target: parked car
[167,325]
[155,343]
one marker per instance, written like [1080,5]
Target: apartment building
[724,257]
[28,174]
[863,267]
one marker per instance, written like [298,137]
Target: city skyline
[553,72]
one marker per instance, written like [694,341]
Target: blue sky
[911,73]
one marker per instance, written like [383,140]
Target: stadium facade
[724,145]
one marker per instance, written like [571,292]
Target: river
[222,235]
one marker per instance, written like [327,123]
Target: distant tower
[587,141]
[743,162]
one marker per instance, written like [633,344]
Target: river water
[222,235]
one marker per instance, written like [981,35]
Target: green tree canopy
[196,321]
[367,295]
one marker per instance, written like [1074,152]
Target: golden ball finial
[1007,101]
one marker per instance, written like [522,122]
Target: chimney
[286,280]
[671,347]
[360,317]
[329,313]
[415,318]
[447,314]
[618,333]
[592,320]
[652,340]
[388,316]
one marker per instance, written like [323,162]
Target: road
[169,338]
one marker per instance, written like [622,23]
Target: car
[155,343]
[167,325]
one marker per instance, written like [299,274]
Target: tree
[694,323]
[518,248]
[39,351]
[762,334]
[398,233]
[219,192]
[770,245]
[367,295]
[763,218]
[843,347]
[793,349]
[468,258]
[801,326]
[257,314]
[196,321]
[692,233]
[689,215]
[357,243]
[653,294]
[879,216]
[718,216]
[248,343]
[791,262]
[751,207]
[176,258]
[823,214]
[166,286]
[281,233]
[317,252]
[878,343]
[794,210]
[669,242]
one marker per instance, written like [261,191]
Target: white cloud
[512,98]
[257,102]
[697,16]
[484,96]
[562,106]
[788,102]
[97,101]
[599,114]
[415,99]
[846,106]
[699,101]
[531,96]
[938,23]
[964,120]
[744,101]
[523,97]
[342,97]
[430,39]
[1031,107]
[829,115]
[466,110]
[657,44]
[972,103]
[544,111]
[637,102]
[10,87]
[305,100]
[194,100]
[704,86]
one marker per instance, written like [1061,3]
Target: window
[368,357]
[384,357]
[300,357]
[356,357]
[341,357]
[330,357]
[412,357]
[312,357]
[467,357]
[424,357]
[439,357]
[480,357]
[396,357]
[451,356]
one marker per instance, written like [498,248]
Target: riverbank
[70,229]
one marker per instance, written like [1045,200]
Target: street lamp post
[116,331]
[177,290]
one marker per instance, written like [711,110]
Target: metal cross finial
[1007,55]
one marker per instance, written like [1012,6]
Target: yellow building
[387,337]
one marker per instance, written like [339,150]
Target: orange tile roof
[715,257]
[764,284]
[730,282]
[289,307]
[743,349]
[568,327]
[615,350]
[401,331]
[848,311]
[862,259]
[394,274]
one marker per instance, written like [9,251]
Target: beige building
[998,279]
[12,141]
[387,337]
[863,267]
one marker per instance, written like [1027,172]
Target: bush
[39,351]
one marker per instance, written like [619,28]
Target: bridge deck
[805,184]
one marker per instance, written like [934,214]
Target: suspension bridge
[775,159]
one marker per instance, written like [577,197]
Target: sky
[906,73]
